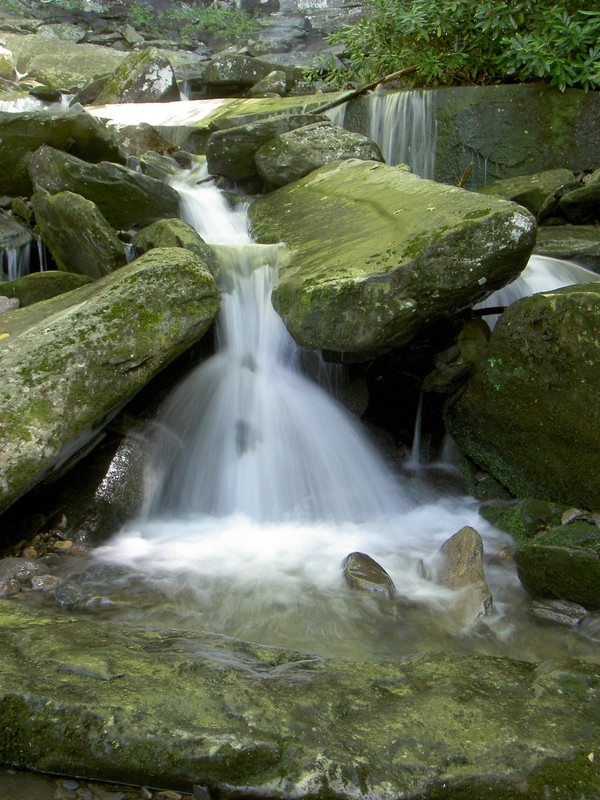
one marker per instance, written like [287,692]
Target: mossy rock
[523,519]
[530,191]
[77,234]
[39,286]
[175,233]
[68,364]
[124,197]
[95,699]
[144,77]
[378,254]
[529,411]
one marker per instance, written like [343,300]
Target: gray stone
[377,254]
[144,77]
[530,191]
[272,85]
[68,364]
[8,303]
[125,198]
[76,233]
[292,155]
[241,72]
[580,243]
[581,206]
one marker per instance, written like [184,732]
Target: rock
[78,236]
[528,413]
[581,206]
[458,565]
[563,563]
[137,140]
[292,155]
[227,75]
[21,134]
[530,191]
[379,254]
[21,569]
[8,70]
[231,152]
[145,76]
[43,285]
[163,168]
[522,519]
[126,198]
[70,363]
[175,233]
[364,573]
[273,84]
[58,63]
[8,304]
[241,716]
[580,243]
[557,612]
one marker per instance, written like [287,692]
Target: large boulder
[22,134]
[290,156]
[175,233]
[144,77]
[580,243]
[77,235]
[68,364]
[377,254]
[101,700]
[529,412]
[530,191]
[231,74]
[126,198]
[231,152]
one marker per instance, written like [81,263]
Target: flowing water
[259,483]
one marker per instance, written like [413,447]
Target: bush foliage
[459,42]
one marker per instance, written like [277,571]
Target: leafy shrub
[227,23]
[459,41]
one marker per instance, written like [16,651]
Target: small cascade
[404,126]
[15,262]
[414,461]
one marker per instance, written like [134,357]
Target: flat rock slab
[378,254]
[177,708]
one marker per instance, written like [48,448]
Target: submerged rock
[378,254]
[68,364]
[157,708]
[529,411]
[126,198]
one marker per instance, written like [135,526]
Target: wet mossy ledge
[69,364]
[105,701]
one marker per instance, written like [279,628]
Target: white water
[404,126]
[259,484]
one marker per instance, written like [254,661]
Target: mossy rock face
[580,243]
[22,134]
[77,235]
[125,198]
[378,254]
[100,700]
[563,563]
[39,286]
[529,412]
[231,152]
[293,155]
[523,519]
[144,77]
[530,190]
[68,364]
[175,233]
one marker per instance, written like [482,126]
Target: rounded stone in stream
[364,573]
[560,612]
[20,568]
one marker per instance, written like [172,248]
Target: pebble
[63,546]
[44,583]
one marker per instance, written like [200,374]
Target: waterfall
[15,262]
[404,126]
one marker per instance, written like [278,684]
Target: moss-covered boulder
[144,77]
[231,74]
[230,152]
[22,134]
[39,286]
[580,243]
[164,708]
[563,563]
[175,233]
[77,235]
[378,254]
[293,155]
[68,364]
[124,197]
[529,413]
[530,191]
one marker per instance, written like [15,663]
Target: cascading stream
[260,483]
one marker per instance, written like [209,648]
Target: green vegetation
[227,23]
[453,42]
